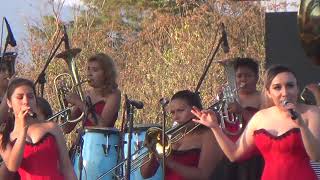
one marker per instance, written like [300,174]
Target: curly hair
[109,69]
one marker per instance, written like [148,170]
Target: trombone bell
[153,141]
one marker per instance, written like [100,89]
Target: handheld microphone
[294,114]
[10,37]
[225,44]
[137,104]
[32,114]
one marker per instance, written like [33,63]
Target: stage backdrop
[283,47]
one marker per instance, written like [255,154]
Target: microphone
[66,38]
[137,104]
[164,101]
[10,39]
[225,44]
[32,114]
[294,114]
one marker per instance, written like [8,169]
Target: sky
[20,13]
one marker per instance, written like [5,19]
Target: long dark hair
[8,123]
[192,99]
[269,75]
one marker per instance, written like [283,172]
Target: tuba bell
[231,123]
[309,28]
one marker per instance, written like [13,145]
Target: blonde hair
[109,69]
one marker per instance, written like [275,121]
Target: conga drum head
[144,127]
[103,130]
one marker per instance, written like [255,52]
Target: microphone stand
[41,79]
[130,109]
[164,113]
[208,66]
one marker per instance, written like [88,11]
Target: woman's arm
[149,168]
[107,117]
[64,160]
[69,126]
[210,156]
[233,151]
[310,132]
[4,108]
[13,155]
[77,109]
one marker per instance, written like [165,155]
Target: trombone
[154,145]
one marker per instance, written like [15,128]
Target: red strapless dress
[285,156]
[41,160]
[188,158]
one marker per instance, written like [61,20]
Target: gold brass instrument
[309,27]
[153,142]
[229,95]
[68,82]
[309,32]
[153,138]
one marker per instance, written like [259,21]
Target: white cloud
[71,2]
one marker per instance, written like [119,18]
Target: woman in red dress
[286,145]
[104,94]
[36,149]
[196,155]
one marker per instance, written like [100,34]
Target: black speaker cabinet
[283,47]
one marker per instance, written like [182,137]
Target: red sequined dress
[41,160]
[187,157]
[285,156]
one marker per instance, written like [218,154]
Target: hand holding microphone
[293,113]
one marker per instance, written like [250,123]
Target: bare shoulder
[258,117]
[52,127]
[115,94]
